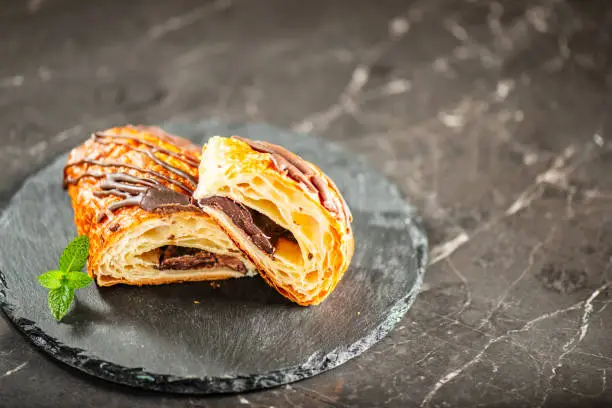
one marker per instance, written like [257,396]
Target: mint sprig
[63,282]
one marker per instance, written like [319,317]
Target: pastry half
[131,191]
[285,215]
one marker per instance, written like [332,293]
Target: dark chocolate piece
[242,218]
[182,258]
[264,232]
[270,228]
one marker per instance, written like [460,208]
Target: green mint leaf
[75,255]
[51,279]
[77,280]
[60,300]
[62,283]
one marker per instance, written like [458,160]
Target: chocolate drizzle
[177,183]
[301,171]
[150,154]
[154,147]
[147,193]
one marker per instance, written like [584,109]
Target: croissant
[285,215]
[131,190]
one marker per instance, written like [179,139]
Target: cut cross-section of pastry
[287,216]
[131,190]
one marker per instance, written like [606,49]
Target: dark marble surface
[492,116]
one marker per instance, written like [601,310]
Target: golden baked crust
[308,267]
[124,241]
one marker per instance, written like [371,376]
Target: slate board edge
[137,377]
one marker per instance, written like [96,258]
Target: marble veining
[491,116]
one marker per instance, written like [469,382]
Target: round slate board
[240,336]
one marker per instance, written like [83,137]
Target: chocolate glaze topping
[301,171]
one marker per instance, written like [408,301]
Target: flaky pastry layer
[307,268]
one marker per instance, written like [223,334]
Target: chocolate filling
[182,258]
[264,232]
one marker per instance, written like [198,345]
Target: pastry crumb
[196,302]
[358,313]
[215,285]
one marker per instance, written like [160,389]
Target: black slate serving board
[240,336]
